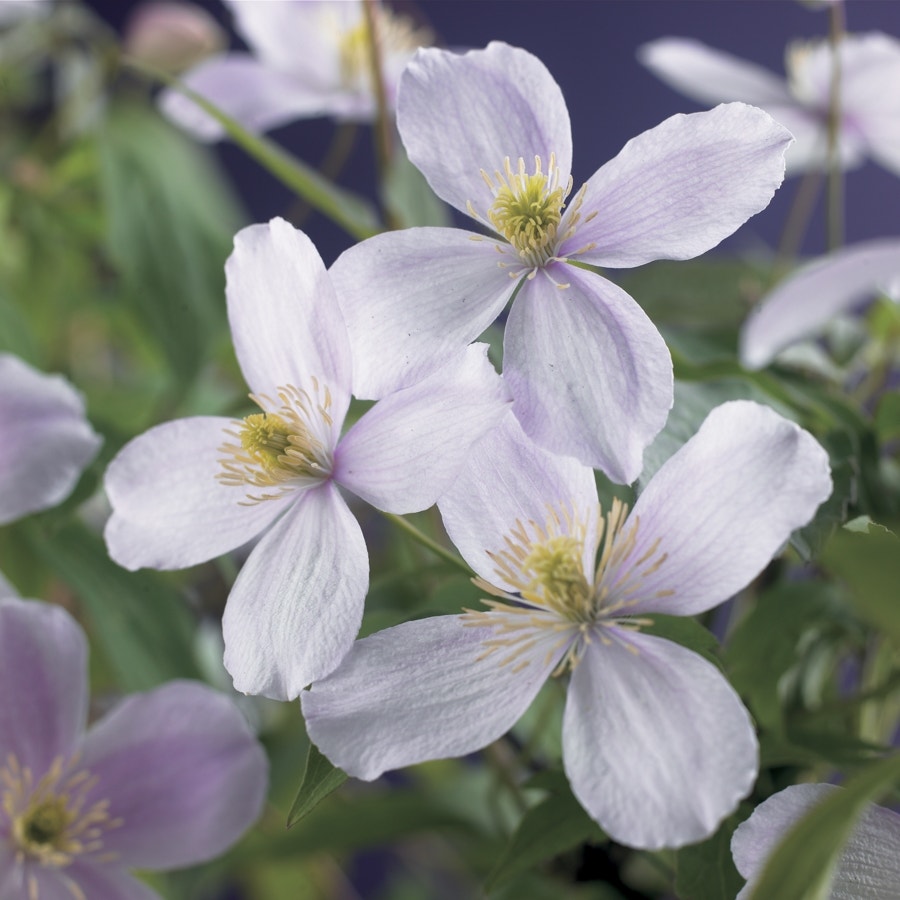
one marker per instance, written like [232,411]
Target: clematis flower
[869,113]
[590,375]
[868,867]
[190,490]
[166,779]
[310,58]
[804,303]
[656,744]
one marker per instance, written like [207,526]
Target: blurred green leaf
[409,197]
[320,778]
[688,632]
[706,871]
[887,416]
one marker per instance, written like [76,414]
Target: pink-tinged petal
[508,480]
[720,508]
[285,320]
[590,375]
[711,76]
[257,96]
[459,114]
[408,449]
[680,188]
[420,691]
[656,744]
[43,683]
[297,604]
[169,510]
[95,882]
[45,439]
[869,865]
[413,298]
[803,304]
[183,771]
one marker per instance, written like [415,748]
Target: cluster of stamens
[284,446]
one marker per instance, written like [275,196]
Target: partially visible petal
[413,298]
[45,439]
[6,588]
[590,375]
[297,604]
[508,480]
[43,683]
[719,509]
[169,510]
[422,690]
[181,768]
[680,188]
[285,320]
[408,449]
[803,304]
[459,114]
[254,94]
[656,744]
[711,76]
[96,882]
[869,864]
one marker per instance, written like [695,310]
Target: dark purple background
[589,46]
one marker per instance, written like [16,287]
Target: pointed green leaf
[320,778]
[706,871]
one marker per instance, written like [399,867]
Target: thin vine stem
[428,542]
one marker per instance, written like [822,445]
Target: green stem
[835,175]
[797,221]
[376,73]
[426,541]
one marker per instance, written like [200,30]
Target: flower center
[286,445]
[557,577]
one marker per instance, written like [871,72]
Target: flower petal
[804,303]
[46,439]
[285,320]
[169,511]
[297,604]
[422,690]
[710,76]
[412,298]
[719,509]
[459,114]
[590,375]
[869,865]
[43,683]
[656,744]
[408,449]
[97,882]
[6,588]
[680,188]
[508,480]
[181,768]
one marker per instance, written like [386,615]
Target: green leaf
[687,632]
[706,871]
[553,826]
[320,778]
[801,867]
[887,416]
[409,196]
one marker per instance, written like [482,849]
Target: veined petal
[408,449]
[869,865]
[507,480]
[422,690]
[297,604]
[459,114]
[590,375]
[719,509]
[656,744]
[43,683]
[680,188]
[285,319]
[711,76]
[181,768]
[413,298]
[257,96]
[805,302]
[98,883]
[46,439]
[169,510]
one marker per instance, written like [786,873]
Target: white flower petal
[680,188]
[719,509]
[412,298]
[422,690]
[656,744]
[408,449]
[461,114]
[590,375]
[805,302]
[297,604]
